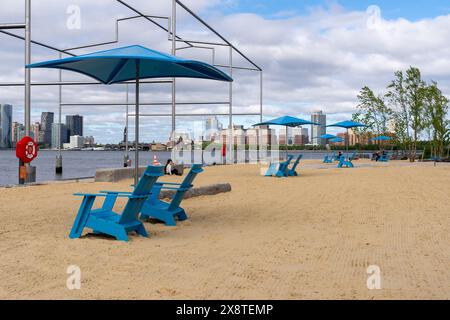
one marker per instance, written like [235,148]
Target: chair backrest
[143,188]
[284,165]
[185,186]
[300,156]
[289,160]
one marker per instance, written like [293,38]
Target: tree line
[410,110]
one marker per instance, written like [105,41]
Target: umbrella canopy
[328,137]
[337,140]
[134,63]
[347,124]
[119,65]
[287,121]
[381,138]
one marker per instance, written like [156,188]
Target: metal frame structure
[171,30]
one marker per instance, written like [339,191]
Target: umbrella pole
[347,140]
[286,143]
[136,136]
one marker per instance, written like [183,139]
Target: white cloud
[315,61]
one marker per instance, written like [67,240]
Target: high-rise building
[318,131]
[260,135]
[74,125]
[238,135]
[59,135]
[305,134]
[266,135]
[212,129]
[34,132]
[6,126]
[47,119]
[76,142]
[18,131]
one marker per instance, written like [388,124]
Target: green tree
[396,96]
[373,112]
[415,97]
[436,106]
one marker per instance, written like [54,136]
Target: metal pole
[136,129]
[286,142]
[127,156]
[26,172]
[261,96]
[27,61]
[174,52]
[230,138]
[347,141]
[259,142]
[58,167]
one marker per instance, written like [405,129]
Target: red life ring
[26,150]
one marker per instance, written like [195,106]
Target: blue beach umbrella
[381,138]
[134,63]
[287,121]
[328,137]
[347,125]
[336,140]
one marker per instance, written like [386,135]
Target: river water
[81,164]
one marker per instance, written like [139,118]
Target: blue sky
[392,9]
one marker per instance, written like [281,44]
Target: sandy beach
[308,237]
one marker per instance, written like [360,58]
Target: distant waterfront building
[261,135]
[76,142]
[213,128]
[15,130]
[238,135]
[74,125]
[266,135]
[305,134]
[34,132]
[296,137]
[252,137]
[318,131]
[6,126]
[47,119]
[59,135]
[89,141]
[289,139]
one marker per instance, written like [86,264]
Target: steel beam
[75,83]
[5,26]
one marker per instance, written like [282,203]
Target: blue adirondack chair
[384,158]
[168,212]
[279,170]
[329,159]
[272,170]
[292,172]
[345,162]
[105,221]
[283,168]
[336,157]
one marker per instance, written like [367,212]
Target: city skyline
[211,129]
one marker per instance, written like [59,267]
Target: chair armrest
[106,194]
[175,189]
[115,192]
[168,183]
[90,194]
